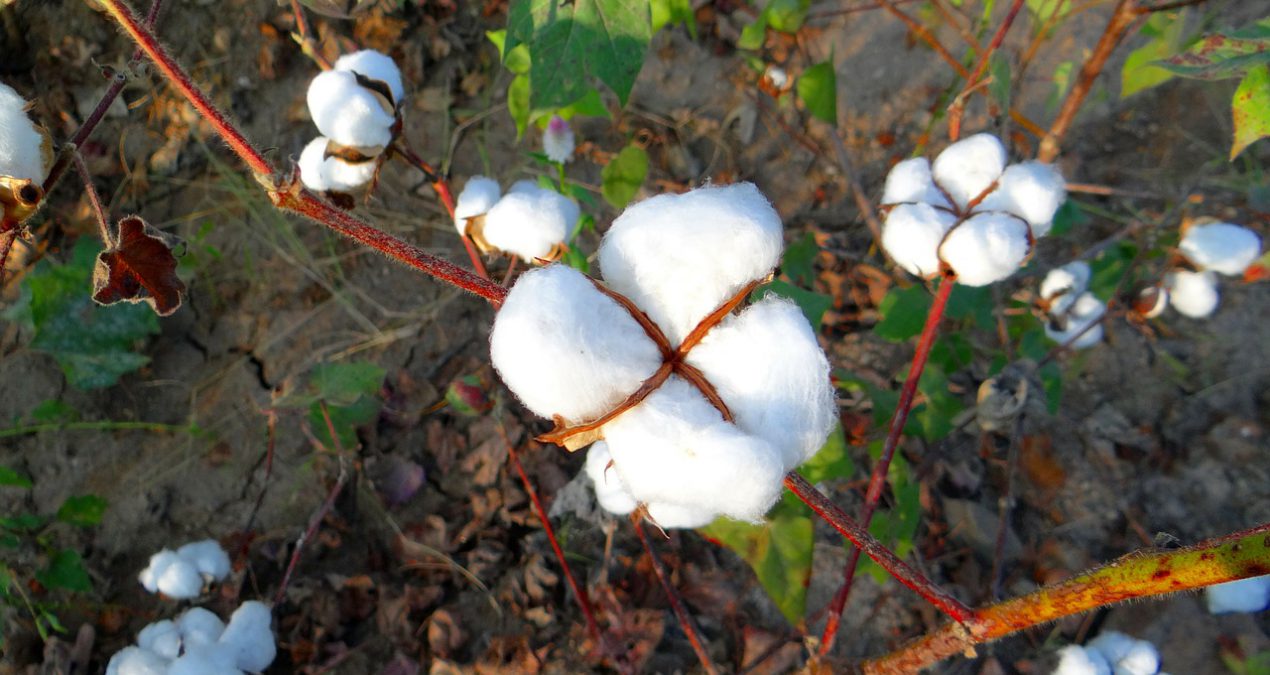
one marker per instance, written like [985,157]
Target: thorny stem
[959,102]
[99,212]
[676,603]
[1138,575]
[877,480]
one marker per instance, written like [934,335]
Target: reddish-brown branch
[958,106]
[676,603]
[99,211]
[923,33]
[877,481]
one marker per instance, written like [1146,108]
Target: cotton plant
[530,222]
[181,574]
[1208,250]
[701,411]
[1243,596]
[968,213]
[1111,653]
[357,108]
[26,152]
[1073,314]
[197,642]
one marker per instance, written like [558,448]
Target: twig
[1164,7]
[307,44]
[676,604]
[99,211]
[310,532]
[1005,504]
[272,425]
[958,106]
[923,33]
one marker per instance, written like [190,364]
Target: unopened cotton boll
[910,181]
[322,173]
[770,371]
[208,558]
[1032,191]
[162,638]
[557,140]
[348,113]
[1193,294]
[679,257]
[674,447]
[968,167]
[986,248]
[199,626]
[564,348]
[375,66]
[1084,312]
[911,236]
[249,638]
[137,661]
[1221,247]
[479,195]
[1127,655]
[527,224]
[1064,284]
[1245,595]
[1076,660]
[21,151]
[610,491]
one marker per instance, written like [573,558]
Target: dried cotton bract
[573,353]
[969,211]
[529,221]
[356,107]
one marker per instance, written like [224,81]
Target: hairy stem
[676,603]
[99,211]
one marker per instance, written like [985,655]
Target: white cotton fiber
[1127,656]
[986,248]
[21,155]
[321,173]
[910,182]
[205,661]
[162,638]
[208,558]
[557,140]
[675,448]
[676,517]
[1032,191]
[348,113]
[768,368]
[1245,595]
[1221,247]
[249,638]
[524,186]
[566,349]
[1193,294]
[1077,660]
[311,160]
[679,257]
[198,626]
[968,167]
[171,575]
[479,195]
[136,661]
[911,236]
[1064,284]
[528,224]
[1063,326]
[610,491]
[376,66]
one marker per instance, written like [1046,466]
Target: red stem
[959,103]
[99,211]
[877,481]
[681,612]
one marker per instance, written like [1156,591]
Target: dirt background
[460,577]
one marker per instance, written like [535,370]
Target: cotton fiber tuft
[348,113]
[21,142]
[1127,655]
[986,248]
[1078,320]
[910,182]
[322,173]
[1063,285]
[1245,595]
[249,638]
[1193,294]
[1221,247]
[375,66]
[479,195]
[1077,660]
[968,167]
[912,236]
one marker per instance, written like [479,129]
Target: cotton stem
[676,603]
[958,106]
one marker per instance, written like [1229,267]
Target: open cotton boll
[199,626]
[674,447]
[136,661]
[1076,660]
[1193,294]
[376,66]
[159,563]
[162,638]
[322,173]
[205,660]
[1064,284]
[526,224]
[1245,595]
[968,167]
[910,181]
[249,638]
[1127,655]
[1221,247]
[21,153]
[348,113]
[679,257]
[312,159]
[1086,310]
[986,248]
[610,491]
[676,517]
[1032,191]
[911,236]
[557,140]
[768,368]
[208,558]
[479,195]
[171,575]
[564,348]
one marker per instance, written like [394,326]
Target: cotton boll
[524,187]
[1032,191]
[1221,247]
[1076,660]
[911,236]
[1064,284]
[311,160]
[1086,310]
[162,638]
[21,143]
[557,140]
[322,173]
[376,66]
[205,660]
[675,517]
[208,558]
[527,224]
[199,627]
[910,182]
[674,447]
[348,113]
[180,581]
[249,637]
[479,195]
[768,368]
[564,348]
[968,167]
[1245,595]
[986,248]
[1193,294]
[1126,655]
[159,563]
[610,491]
[679,257]
[136,661]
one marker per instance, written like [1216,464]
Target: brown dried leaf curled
[139,266]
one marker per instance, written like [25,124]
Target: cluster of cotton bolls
[1073,312]
[181,574]
[968,211]
[1109,653]
[529,221]
[574,353]
[1244,596]
[355,106]
[198,643]
[1210,249]
[25,155]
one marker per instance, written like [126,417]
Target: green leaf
[786,16]
[53,411]
[575,258]
[345,419]
[935,416]
[11,478]
[1042,10]
[572,43]
[897,526]
[779,550]
[665,12]
[818,89]
[622,177]
[518,103]
[1062,79]
[82,510]
[1250,109]
[798,263]
[65,570]
[1068,216]
[830,461]
[1109,267]
[752,35]
[341,384]
[973,303]
[1142,68]
[884,400]
[23,522]
[1052,382]
[999,87]
[814,305]
[903,313]
[1224,56]
[590,105]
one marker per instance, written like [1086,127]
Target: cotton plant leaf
[1223,56]
[1250,109]
[138,267]
[622,177]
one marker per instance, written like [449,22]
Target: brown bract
[138,267]
[19,199]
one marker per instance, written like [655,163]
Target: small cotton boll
[1086,310]
[136,661]
[1221,247]
[1127,656]
[21,154]
[311,160]
[910,182]
[524,186]
[675,517]
[479,195]
[1032,191]
[674,447]
[198,626]
[610,491]
[679,257]
[911,236]
[249,637]
[564,348]
[1076,660]
[1064,284]
[376,66]
[162,638]
[557,140]
[348,113]
[968,167]
[181,581]
[986,248]
[770,371]
[205,661]
[159,563]
[1193,294]
[1245,595]
[208,558]
[322,173]
[527,224]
